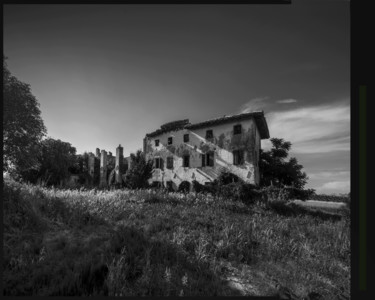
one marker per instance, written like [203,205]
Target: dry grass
[145,242]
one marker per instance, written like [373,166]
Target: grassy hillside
[77,242]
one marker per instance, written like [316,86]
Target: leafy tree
[56,160]
[139,172]
[276,170]
[23,127]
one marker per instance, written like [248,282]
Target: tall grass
[149,242]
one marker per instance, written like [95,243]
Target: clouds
[314,129]
[329,174]
[334,187]
[255,104]
[262,103]
[286,101]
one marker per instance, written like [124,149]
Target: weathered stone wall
[91,168]
[119,164]
[222,145]
[103,169]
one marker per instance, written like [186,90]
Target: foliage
[55,160]
[276,170]
[184,187]
[226,177]
[240,191]
[211,187]
[139,172]
[153,243]
[332,198]
[23,127]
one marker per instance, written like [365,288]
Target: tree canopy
[23,127]
[275,169]
[56,160]
[140,171]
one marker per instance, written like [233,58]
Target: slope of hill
[145,242]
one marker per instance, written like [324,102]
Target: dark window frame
[209,134]
[170,162]
[237,129]
[184,164]
[170,140]
[157,162]
[157,143]
[238,157]
[210,159]
[186,138]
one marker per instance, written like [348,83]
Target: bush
[240,191]
[300,194]
[227,177]
[283,194]
[184,187]
[332,198]
[204,188]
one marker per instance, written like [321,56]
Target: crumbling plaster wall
[222,144]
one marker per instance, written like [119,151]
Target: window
[238,157]
[186,138]
[209,134]
[156,143]
[170,140]
[186,163]
[208,159]
[158,163]
[237,129]
[170,162]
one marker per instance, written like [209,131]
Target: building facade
[182,151]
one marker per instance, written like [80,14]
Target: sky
[106,75]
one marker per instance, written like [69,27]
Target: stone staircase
[211,173]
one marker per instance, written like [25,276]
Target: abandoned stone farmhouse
[182,151]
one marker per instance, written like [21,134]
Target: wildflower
[185,280]
[42,254]
[167,275]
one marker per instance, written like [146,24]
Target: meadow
[156,243]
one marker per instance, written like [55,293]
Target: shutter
[203,160]
[161,163]
[211,159]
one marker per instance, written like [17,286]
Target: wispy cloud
[329,174]
[334,187]
[286,101]
[316,129]
[255,104]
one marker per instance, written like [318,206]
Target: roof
[184,124]
[171,126]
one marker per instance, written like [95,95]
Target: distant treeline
[332,198]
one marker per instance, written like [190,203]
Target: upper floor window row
[237,129]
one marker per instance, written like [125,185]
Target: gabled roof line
[184,124]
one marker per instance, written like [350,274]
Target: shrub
[184,187]
[227,177]
[204,188]
[300,194]
[240,191]
[272,194]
